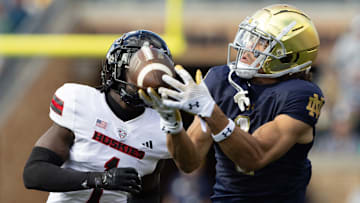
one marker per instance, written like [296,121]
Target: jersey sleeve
[213,78]
[304,105]
[208,80]
[62,106]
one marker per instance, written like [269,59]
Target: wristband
[225,133]
[171,128]
[171,122]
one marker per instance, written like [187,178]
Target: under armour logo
[165,130]
[194,105]
[227,132]
[168,116]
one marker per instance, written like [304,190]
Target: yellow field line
[64,45]
[88,45]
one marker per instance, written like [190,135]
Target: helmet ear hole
[287,59]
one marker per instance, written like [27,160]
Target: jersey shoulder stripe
[57,105]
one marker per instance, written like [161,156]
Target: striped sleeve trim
[57,105]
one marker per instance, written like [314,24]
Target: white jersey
[103,141]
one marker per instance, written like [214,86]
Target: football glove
[170,119]
[192,97]
[125,179]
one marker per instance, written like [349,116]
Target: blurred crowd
[339,127]
[14,12]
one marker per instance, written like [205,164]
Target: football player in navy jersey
[96,151]
[258,112]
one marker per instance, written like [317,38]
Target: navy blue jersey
[285,177]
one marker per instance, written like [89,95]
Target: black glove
[125,179]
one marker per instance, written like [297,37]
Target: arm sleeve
[43,172]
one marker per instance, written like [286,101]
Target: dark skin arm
[42,170]
[57,139]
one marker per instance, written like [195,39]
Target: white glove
[170,119]
[191,97]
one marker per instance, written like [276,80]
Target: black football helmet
[117,61]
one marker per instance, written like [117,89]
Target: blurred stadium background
[45,43]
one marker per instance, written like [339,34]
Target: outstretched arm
[189,149]
[268,143]
[250,152]
[43,169]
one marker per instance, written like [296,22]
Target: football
[147,66]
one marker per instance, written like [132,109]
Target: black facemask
[128,93]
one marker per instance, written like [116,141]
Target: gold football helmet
[288,38]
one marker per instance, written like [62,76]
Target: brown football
[147,66]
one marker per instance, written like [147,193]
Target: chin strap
[240,97]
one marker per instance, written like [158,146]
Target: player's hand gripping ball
[148,65]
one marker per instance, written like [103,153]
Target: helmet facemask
[251,39]
[118,57]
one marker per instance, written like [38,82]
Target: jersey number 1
[97,192]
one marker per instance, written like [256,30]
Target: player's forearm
[241,147]
[43,172]
[183,151]
[243,150]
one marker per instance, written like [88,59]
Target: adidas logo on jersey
[148,144]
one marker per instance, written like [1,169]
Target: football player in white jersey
[105,145]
